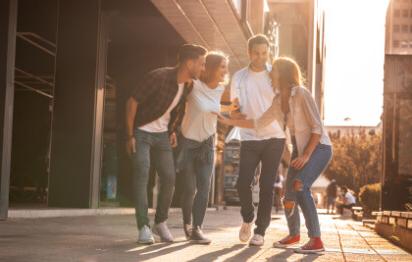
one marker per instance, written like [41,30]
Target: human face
[196,66]
[221,72]
[259,55]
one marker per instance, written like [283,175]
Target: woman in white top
[196,143]
[295,108]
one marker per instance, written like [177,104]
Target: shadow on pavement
[283,256]
[245,254]
[213,255]
[158,250]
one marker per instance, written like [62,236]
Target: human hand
[173,140]
[299,162]
[131,145]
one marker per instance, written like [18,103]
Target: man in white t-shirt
[153,112]
[251,88]
[349,200]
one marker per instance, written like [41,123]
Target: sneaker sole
[146,242]
[280,245]
[255,244]
[162,240]
[201,242]
[313,251]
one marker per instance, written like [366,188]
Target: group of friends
[171,123]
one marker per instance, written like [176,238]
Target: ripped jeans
[298,184]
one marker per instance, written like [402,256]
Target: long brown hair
[213,61]
[289,76]
[288,72]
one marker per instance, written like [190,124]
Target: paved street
[112,238]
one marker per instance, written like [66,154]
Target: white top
[349,199]
[161,124]
[279,184]
[303,118]
[199,123]
[255,94]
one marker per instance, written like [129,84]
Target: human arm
[131,109]
[312,117]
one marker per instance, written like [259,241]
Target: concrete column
[8,25]
[78,105]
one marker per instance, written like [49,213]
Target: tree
[356,159]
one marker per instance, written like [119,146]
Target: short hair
[190,51]
[257,40]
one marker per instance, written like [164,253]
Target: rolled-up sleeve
[311,112]
[271,114]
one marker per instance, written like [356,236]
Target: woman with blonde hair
[295,108]
[197,141]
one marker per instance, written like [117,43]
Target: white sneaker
[257,240]
[163,232]
[145,236]
[245,231]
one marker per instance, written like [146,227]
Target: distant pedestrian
[349,200]
[331,194]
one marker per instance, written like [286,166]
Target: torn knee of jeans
[288,205]
[297,185]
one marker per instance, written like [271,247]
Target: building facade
[397,116]
[67,68]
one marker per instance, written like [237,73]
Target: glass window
[237,4]
[404,44]
[405,28]
[397,13]
[405,13]
[395,43]
[410,29]
[396,28]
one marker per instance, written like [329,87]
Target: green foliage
[356,159]
[369,196]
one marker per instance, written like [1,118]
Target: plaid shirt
[155,94]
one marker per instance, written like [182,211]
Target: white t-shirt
[199,123]
[255,93]
[161,124]
[349,199]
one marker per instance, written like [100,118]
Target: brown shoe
[198,237]
[188,231]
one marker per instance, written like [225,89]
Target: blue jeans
[159,144]
[302,196]
[269,152]
[196,162]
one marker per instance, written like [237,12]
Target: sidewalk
[112,238]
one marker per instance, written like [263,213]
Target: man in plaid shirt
[153,112]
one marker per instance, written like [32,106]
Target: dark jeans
[196,161]
[162,155]
[269,152]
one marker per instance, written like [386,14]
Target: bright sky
[355,39]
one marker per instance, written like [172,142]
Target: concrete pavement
[112,238]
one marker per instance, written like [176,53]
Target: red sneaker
[287,241]
[314,245]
